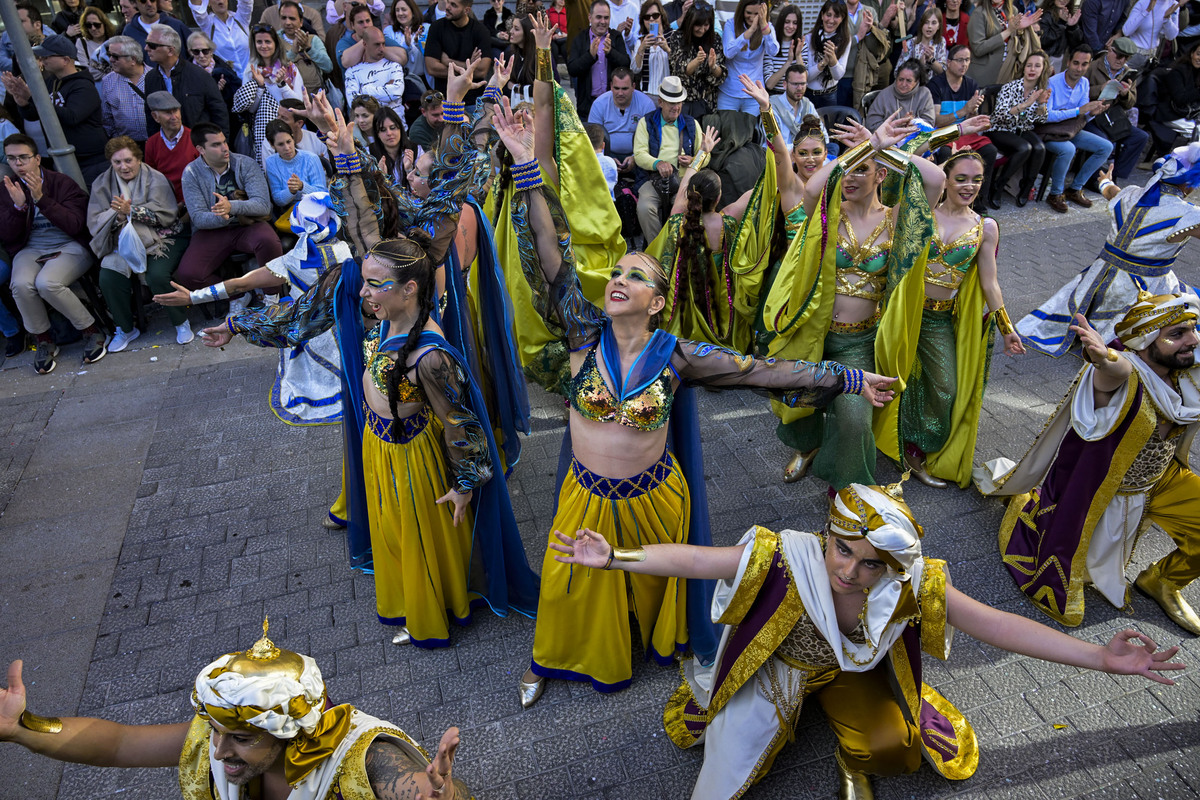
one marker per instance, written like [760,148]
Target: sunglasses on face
[653,15]
[96,25]
[154,45]
[201,51]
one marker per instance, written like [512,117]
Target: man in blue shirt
[138,28]
[619,110]
[1069,92]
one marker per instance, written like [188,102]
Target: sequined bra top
[950,261]
[646,411]
[860,266]
[380,365]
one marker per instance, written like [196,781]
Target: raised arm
[710,140]
[283,324]
[1016,634]
[543,98]
[87,740]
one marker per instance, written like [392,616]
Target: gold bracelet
[770,125]
[629,554]
[45,724]
[893,159]
[545,67]
[1003,323]
[856,156]
[701,160]
[943,136]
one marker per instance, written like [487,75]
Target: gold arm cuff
[45,724]
[770,125]
[1003,323]
[701,160]
[856,156]
[943,136]
[545,67]
[1112,355]
[629,554]
[894,160]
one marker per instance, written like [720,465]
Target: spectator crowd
[188,118]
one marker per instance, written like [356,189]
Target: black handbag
[1113,124]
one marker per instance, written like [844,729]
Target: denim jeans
[8,323]
[1098,149]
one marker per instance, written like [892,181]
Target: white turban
[1151,313]
[887,523]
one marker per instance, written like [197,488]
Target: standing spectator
[229,31]
[170,150]
[954,22]
[222,224]
[67,20]
[861,18]
[375,75]
[1113,123]
[697,59]
[789,30]
[1149,24]
[663,146]
[291,172]
[746,41]
[927,45]
[270,67]
[1069,102]
[304,49]
[395,152]
[623,16]
[1101,19]
[43,224]
[991,29]
[458,37]
[312,18]
[204,55]
[619,111]
[35,31]
[90,48]
[592,59]
[148,16]
[558,16]
[907,95]
[1021,105]
[194,88]
[76,102]
[956,96]
[427,128]
[651,58]
[363,108]
[123,91]
[350,47]
[131,191]
[828,54]
[1059,29]
[1179,104]
[496,20]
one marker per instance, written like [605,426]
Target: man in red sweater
[169,150]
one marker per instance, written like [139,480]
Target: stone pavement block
[1163,782]
[597,772]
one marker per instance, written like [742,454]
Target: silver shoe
[798,467]
[530,692]
[403,637]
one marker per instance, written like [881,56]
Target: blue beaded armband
[348,164]
[853,381]
[490,94]
[454,113]
[527,175]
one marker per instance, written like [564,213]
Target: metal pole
[62,152]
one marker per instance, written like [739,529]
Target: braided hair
[408,259]
[703,194]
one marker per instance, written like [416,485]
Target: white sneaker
[121,340]
[183,333]
[238,305]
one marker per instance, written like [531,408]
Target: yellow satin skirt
[583,630]
[421,558]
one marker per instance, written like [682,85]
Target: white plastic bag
[130,248]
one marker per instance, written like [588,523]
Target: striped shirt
[123,106]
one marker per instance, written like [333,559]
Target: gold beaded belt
[938,305]
[854,327]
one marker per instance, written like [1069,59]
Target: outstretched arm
[589,549]
[1016,634]
[87,740]
[394,775]
[1111,371]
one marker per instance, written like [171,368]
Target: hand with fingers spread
[460,81]
[976,124]
[892,131]
[15,192]
[460,501]
[340,137]
[440,772]
[1095,349]
[515,132]
[587,549]
[543,32]
[757,91]
[1133,653]
[850,133]
[501,72]
[179,297]
[710,140]
[216,336]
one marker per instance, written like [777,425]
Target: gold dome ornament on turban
[278,692]
[1153,312]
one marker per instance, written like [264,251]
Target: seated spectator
[697,59]
[292,112]
[43,226]
[522,49]
[90,47]
[376,75]
[927,46]
[149,16]
[229,203]
[496,19]
[304,49]
[458,37]
[67,21]
[350,48]
[651,59]
[291,173]
[1149,23]
[1101,19]
[619,110]
[76,102]
[170,150]
[128,191]
[792,107]
[228,30]
[204,55]
[956,97]
[907,94]
[608,167]
[35,31]
[955,17]
[336,10]
[271,69]
[1070,108]
[363,109]
[828,54]
[1114,124]
[394,151]
[594,56]
[1179,94]
[663,145]
[792,48]
[199,98]
[1020,106]
[426,128]
[128,10]
[1059,30]
[312,21]
[558,15]
[123,91]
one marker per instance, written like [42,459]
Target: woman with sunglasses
[697,59]
[651,58]
[204,55]
[97,29]
[270,67]
[228,30]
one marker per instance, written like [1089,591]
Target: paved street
[154,509]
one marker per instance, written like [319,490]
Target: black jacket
[77,104]
[196,91]
[580,61]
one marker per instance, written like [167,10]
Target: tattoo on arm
[392,774]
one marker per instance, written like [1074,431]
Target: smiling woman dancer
[625,373]
[421,553]
[841,616]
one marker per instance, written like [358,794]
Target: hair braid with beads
[703,193]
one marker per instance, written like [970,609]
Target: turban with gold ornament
[1153,312]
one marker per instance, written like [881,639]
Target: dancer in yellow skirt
[626,376]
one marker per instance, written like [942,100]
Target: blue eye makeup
[381,286]
[640,277]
